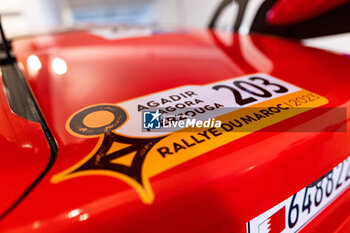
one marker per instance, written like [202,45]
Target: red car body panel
[219,191]
[285,12]
[24,154]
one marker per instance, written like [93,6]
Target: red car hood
[221,189]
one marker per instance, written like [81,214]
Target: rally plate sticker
[126,151]
[292,214]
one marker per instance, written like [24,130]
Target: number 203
[252,89]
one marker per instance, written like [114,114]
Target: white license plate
[295,212]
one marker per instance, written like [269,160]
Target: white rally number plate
[295,212]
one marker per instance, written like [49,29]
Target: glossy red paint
[285,12]
[217,192]
[24,153]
